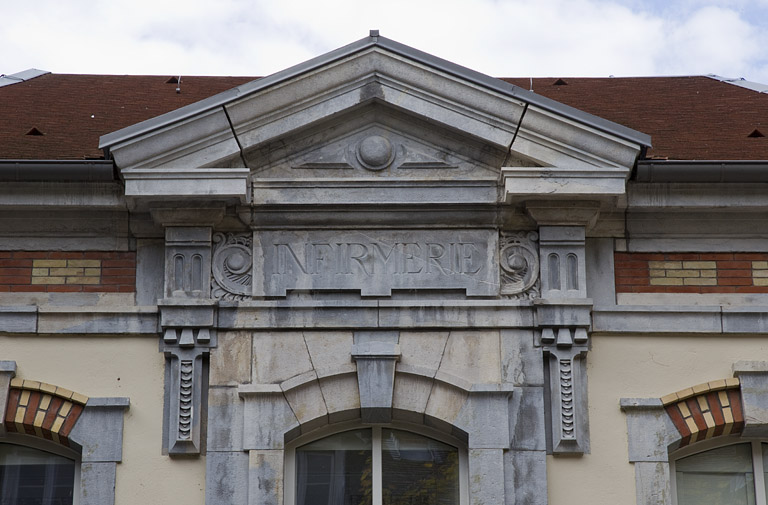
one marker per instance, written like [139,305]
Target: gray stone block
[7,372]
[267,416]
[473,356]
[230,361]
[99,430]
[376,381]
[329,351]
[601,285]
[18,319]
[445,402]
[522,363]
[265,477]
[279,356]
[422,350]
[753,376]
[150,271]
[650,432]
[486,477]
[745,320]
[342,397]
[308,405]
[485,418]
[225,419]
[97,320]
[652,483]
[97,483]
[526,419]
[411,396]
[226,478]
[525,477]
[187,313]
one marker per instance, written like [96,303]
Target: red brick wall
[691,272]
[69,272]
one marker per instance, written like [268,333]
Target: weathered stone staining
[377,261]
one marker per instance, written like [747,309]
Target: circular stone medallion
[375,152]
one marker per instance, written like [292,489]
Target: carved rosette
[232,266]
[519,261]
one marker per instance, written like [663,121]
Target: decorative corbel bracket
[565,343]
[187,337]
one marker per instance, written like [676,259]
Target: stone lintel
[187,313]
[564,213]
[186,216]
[555,314]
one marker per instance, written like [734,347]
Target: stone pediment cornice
[414,117]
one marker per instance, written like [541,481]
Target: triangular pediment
[373,110]
[375,141]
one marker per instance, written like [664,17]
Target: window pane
[32,477]
[716,477]
[335,470]
[417,470]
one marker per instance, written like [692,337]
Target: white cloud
[499,37]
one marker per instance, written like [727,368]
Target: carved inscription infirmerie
[375,262]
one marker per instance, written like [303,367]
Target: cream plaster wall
[636,367]
[115,366]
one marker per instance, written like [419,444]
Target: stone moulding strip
[43,410]
[706,410]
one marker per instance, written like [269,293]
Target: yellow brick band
[760,265]
[49,263]
[706,387]
[665,264]
[708,265]
[700,282]
[663,281]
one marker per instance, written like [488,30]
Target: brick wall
[56,271]
[691,272]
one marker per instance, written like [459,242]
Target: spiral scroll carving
[232,266]
[519,260]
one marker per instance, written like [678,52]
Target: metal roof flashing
[374,40]
[25,75]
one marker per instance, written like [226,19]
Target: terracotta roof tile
[688,118]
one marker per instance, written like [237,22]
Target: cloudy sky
[504,38]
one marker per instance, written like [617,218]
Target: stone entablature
[691,272]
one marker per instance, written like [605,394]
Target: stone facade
[382,238]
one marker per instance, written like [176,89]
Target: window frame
[758,469]
[50,447]
[289,489]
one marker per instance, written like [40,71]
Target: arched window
[732,474]
[33,472]
[376,466]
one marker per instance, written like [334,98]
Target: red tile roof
[688,118]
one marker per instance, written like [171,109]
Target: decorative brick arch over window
[706,411]
[656,427]
[42,410]
[92,426]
